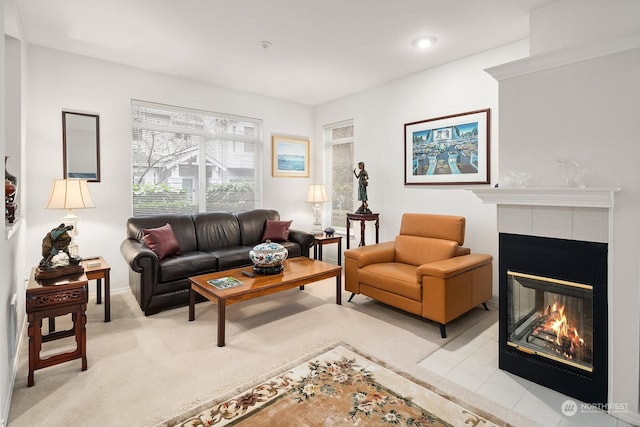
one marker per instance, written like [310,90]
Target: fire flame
[557,322]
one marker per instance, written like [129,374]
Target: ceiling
[320,49]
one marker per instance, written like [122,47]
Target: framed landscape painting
[448,150]
[290,157]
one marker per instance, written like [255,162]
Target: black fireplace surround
[560,260]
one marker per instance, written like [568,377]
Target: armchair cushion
[417,250]
[393,277]
[447,227]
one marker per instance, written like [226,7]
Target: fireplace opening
[553,313]
[551,318]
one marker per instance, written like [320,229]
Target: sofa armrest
[453,266]
[372,254]
[304,239]
[138,256]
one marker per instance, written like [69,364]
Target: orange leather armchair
[425,271]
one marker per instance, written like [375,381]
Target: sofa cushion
[252,224]
[416,250]
[276,231]
[182,226]
[232,257]
[161,240]
[185,265]
[392,277]
[216,230]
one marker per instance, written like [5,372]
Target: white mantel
[587,197]
[560,212]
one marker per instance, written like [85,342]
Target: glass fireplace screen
[551,318]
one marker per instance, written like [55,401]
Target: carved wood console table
[363,218]
[48,300]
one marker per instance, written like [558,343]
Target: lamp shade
[70,194]
[317,194]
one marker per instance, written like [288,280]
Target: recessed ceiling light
[424,42]
[264,44]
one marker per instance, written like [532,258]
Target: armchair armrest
[372,254]
[453,266]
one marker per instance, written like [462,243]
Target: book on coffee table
[225,282]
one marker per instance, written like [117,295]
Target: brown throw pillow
[161,240]
[276,231]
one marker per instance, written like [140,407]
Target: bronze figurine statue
[363,182]
[56,241]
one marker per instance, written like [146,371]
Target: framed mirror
[81,145]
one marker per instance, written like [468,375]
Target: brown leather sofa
[425,271]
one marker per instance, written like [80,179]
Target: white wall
[12,249]
[379,117]
[60,81]
[574,23]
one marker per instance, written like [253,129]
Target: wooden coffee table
[297,273]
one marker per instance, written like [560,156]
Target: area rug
[337,388]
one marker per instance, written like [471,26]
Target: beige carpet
[143,370]
[337,387]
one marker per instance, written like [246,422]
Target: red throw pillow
[276,231]
[161,240]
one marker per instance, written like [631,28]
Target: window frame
[206,139]
[330,143]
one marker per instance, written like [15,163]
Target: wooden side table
[320,241]
[97,273]
[50,299]
[363,218]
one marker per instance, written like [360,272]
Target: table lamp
[317,194]
[70,194]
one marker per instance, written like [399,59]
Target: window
[187,161]
[339,139]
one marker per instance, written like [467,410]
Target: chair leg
[353,294]
[484,304]
[443,331]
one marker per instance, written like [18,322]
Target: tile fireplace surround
[575,214]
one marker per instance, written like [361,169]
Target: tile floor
[471,360]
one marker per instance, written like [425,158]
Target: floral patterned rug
[337,388]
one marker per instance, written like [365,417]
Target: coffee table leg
[221,317]
[339,289]
[192,304]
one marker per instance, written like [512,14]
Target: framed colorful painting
[448,150]
[290,157]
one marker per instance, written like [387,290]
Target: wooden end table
[320,241]
[50,299]
[363,218]
[97,273]
[297,272]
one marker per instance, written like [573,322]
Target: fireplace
[553,313]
